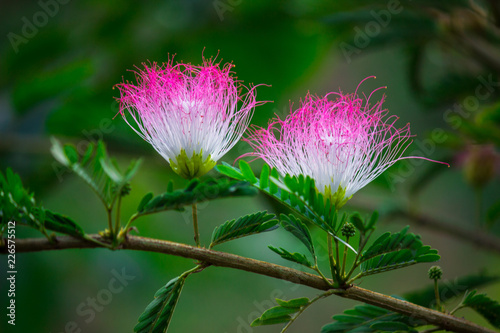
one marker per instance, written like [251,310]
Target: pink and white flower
[342,143]
[188,113]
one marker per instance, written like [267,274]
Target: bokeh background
[60,59]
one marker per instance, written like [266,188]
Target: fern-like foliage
[18,204]
[295,257]
[392,251]
[282,313]
[298,193]
[100,172]
[195,192]
[368,318]
[244,226]
[293,225]
[485,306]
[157,315]
[426,296]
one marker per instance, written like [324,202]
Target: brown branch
[223,259]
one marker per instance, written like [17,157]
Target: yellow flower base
[192,167]
[338,199]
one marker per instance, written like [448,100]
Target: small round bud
[348,230]
[480,165]
[124,191]
[435,273]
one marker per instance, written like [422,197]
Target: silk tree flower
[188,113]
[339,140]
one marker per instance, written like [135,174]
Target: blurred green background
[60,60]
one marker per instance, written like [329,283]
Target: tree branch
[223,259]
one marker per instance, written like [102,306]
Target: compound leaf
[244,226]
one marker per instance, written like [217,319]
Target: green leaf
[298,258]
[358,222]
[243,226]
[71,154]
[293,225]
[170,186]
[273,188]
[147,198]
[157,315]
[485,306]
[298,193]
[57,151]
[96,169]
[18,204]
[293,303]
[393,251]
[195,192]
[426,297]
[271,321]
[390,326]
[428,258]
[368,318]
[373,221]
[230,171]
[264,177]
[246,170]
[88,153]
[111,170]
[63,224]
[281,313]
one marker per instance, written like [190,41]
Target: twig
[223,259]
[195,225]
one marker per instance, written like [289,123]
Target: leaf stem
[195,226]
[363,240]
[461,304]
[110,222]
[316,269]
[117,218]
[436,292]
[333,265]
[344,259]
[95,241]
[350,281]
[326,294]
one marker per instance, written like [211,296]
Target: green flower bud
[348,230]
[435,273]
[124,191]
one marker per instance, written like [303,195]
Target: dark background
[59,63]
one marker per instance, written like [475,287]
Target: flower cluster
[188,113]
[339,140]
